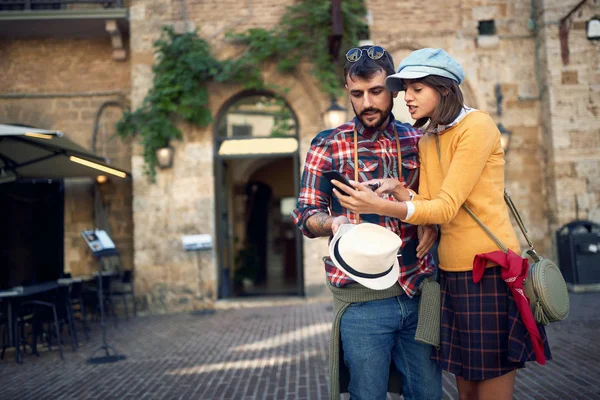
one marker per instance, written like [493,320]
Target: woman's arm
[469,159]
[362,200]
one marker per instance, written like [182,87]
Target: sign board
[197,242]
[99,242]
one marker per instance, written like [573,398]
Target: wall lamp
[593,28]
[335,115]
[164,157]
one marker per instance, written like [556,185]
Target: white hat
[367,253]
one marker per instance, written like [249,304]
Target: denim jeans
[376,332]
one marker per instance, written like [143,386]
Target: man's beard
[384,115]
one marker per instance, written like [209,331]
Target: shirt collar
[441,128]
[373,133]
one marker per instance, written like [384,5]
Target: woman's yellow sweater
[472,171]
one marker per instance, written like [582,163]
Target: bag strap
[511,206]
[356,166]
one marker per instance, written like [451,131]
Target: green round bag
[546,289]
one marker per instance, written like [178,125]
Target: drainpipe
[564,33]
[100,211]
[110,103]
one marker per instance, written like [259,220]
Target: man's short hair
[366,67]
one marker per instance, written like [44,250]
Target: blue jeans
[376,332]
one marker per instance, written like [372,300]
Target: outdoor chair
[52,311]
[42,312]
[64,309]
[78,306]
[91,297]
[4,328]
[124,288]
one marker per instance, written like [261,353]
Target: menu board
[99,241]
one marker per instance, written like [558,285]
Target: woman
[483,338]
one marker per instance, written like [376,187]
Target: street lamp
[335,114]
[505,136]
[164,157]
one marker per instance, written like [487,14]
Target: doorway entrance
[257,182]
[32,238]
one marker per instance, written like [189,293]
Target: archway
[257,181]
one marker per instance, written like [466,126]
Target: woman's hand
[360,199]
[390,186]
[427,235]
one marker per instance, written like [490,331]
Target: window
[486,28]
[241,130]
[257,115]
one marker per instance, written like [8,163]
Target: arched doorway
[257,183]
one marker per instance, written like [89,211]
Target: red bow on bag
[514,272]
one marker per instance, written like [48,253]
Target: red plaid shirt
[333,149]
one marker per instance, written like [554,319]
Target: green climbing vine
[185,65]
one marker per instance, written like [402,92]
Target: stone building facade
[62,84]
[511,51]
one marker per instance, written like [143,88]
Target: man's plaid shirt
[333,149]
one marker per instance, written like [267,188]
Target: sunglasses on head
[373,52]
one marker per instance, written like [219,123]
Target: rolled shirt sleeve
[315,193]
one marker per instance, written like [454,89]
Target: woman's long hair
[450,105]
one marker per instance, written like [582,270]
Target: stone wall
[61,84]
[182,201]
[505,59]
[571,111]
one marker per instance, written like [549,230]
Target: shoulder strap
[356,165]
[511,207]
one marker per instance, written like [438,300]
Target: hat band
[431,70]
[442,70]
[351,270]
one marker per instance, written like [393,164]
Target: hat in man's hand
[367,253]
[424,62]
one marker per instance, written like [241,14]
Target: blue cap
[424,62]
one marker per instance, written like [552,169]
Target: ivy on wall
[185,65]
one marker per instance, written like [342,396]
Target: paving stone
[275,352]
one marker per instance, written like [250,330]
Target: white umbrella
[27,153]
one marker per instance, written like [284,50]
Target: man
[377,336]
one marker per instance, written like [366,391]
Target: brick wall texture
[62,84]
[552,110]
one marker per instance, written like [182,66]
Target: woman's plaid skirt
[482,335]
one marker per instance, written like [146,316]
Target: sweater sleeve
[468,161]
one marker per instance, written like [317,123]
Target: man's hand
[322,224]
[337,222]
[427,235]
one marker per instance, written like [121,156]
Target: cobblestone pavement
[277,351]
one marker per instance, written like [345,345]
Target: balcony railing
[27,5]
